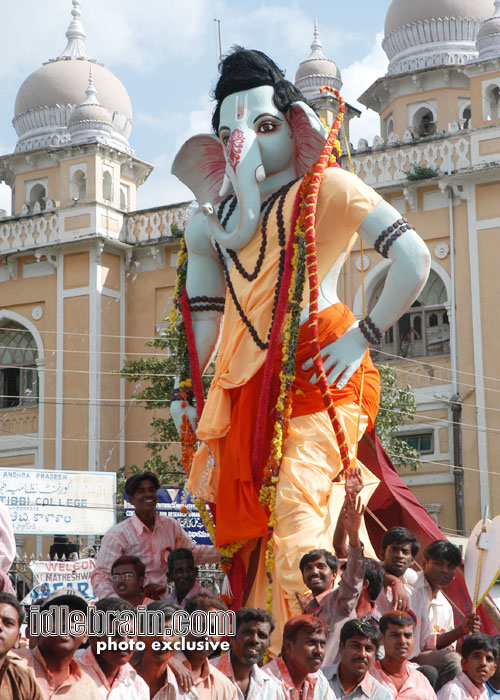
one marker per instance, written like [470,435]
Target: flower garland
[290,332]
[310,202]
[304,256]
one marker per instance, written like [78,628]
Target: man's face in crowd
[318,576]
[183,575]
[145,498]
[9,628]
[439,572]
[160,653]
[357,655]
[251,642]
[399,642]
[113,658]
[62,645]
[397,558]
[306,652]
[126,581]
[480,665]
[215,638]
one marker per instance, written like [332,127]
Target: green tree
[397,404]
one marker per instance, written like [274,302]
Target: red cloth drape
[394,504]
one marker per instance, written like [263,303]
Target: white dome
[317,70]
[427,33]
[64,82]
[488,38]
[46,99]
[403,12]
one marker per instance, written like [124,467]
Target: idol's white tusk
[207,209]
[260,173]
[226,187]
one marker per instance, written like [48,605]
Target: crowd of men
[368,629]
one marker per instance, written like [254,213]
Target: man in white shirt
[298,667]
[248,647]
[441,559]
[479,662]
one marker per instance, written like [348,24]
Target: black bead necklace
[268,204]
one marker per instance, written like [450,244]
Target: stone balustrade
[151,225]
[388,163]
[35,230]
[23,233]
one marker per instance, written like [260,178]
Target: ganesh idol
[248,179]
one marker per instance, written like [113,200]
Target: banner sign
[48,576]
[174,503]
[46,501]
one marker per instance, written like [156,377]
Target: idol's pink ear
[309,134]
[200,165]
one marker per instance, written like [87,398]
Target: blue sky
[165,52]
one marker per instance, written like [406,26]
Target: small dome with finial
[317,70]
[48,97]
[488,38]
[90,119]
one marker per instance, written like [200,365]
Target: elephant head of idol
[265,135]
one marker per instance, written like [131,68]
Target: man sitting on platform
[145,535]
[402,679]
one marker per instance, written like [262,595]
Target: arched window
[494,102]
[124,197]
[38,196]
[18,370]
[424,123]
[466,116]
[389,126]
[423,330]
[107,185]
[78,185]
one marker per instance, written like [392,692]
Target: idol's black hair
[244,69]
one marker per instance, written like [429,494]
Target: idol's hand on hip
[342,357]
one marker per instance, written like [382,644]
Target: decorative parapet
[154,224]
[32,231]
[23,233]
[389,164]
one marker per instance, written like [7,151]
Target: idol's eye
[224,137]
[267,126]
